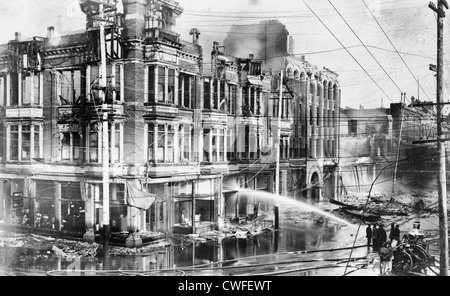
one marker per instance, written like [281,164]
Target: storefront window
[72,208]
[45,213]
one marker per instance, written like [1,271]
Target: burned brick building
[311,97]
[190,140]
[396,143]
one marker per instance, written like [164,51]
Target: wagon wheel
[420,259]
[402,262]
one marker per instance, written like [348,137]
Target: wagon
[411,255]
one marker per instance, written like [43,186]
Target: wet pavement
[296,249]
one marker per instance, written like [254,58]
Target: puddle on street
[231,251]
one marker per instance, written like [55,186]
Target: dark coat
[369,232]
[382,236]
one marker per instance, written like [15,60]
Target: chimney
[18,36]
[50,31]
[291,45]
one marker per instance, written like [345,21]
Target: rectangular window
[77,148]
[70,146]
[352,127]
[160,155]
[26,142]
[14,83]
[275,107]
[93,143]
[207,94]
[206,149]
[231,98]
[186,86]
[165,143]
[216,85]
[252,100]
[118,78]
[151,142]
[223,99]
[21,139]
[30,88]
[317,116]
[27,86]
[151,84]
[187,141]
[69,86]
[117,144]
[2,92]
[214,145]
[65,146]
[170,144]
[161,84]
[230,144]
[171,87]
[14,142]
[222,145]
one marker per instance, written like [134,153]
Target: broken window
[69,87]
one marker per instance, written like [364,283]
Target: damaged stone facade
[192,138]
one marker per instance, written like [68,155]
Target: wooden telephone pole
[442,178]
[277,149]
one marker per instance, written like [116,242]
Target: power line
[385,34]
[348,51]
[376,60]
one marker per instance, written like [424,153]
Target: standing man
[382,235]
[369,235]
[395,236]
[375,239]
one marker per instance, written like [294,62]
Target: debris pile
[386,204]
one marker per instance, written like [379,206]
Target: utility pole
[105,130]
[442,182]
[277,149]
[399,142]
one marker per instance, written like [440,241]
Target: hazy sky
[410,25]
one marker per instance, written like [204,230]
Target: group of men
[377,237]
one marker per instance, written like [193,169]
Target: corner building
[191,138]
